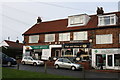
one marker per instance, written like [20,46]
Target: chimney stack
[17,41]
[39,20]
[100,11]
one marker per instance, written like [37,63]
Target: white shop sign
[46,54]
[106,51]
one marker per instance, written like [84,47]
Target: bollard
[45,67]
[18,64]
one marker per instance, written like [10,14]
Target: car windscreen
[4,56]
[72,59]
[35,58]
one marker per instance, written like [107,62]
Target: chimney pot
[100,11]
[39,20]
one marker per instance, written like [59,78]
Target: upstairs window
[49,37]
[34,39]
[104,39]
[78,20]
[80,35]
[104,20]
[64,37]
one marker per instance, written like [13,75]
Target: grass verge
[19,74]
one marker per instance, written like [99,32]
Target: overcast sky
[18,16]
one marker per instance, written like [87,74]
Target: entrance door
[57,53]
[109,60]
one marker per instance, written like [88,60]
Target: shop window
[116,59]
[64,36]
[34,39]
[75,51]
[104,20]
[69,53]
[110,59]
[100,58]
[49,37]
[104,39]
[80,35]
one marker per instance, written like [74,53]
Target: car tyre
[56,66]
[73,68]
[9,63]
[23,63]
[34,64]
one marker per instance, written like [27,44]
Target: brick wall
[114,31]
[91,35]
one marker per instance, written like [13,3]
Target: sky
[17,16]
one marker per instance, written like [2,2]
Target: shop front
[42,51]
[35,51]
[110,58]
[75,49]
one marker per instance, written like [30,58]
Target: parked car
[66,63]
[31,60]
[8,60]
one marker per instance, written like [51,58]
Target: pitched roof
[14,44]
[61,25]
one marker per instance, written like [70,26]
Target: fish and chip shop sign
[106,51]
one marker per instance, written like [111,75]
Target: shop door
[57,53]
[109,60]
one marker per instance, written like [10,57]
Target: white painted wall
[3,43]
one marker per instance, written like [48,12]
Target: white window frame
[104,39]
[101,20]
[78,20]
[47,36]
[34,38]
[64,36]
[83,35]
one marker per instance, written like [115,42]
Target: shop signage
[106,51]
[40,47]
[76,45]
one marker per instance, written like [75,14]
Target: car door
[24,60]
[60,62]
[29,60]
[66,63]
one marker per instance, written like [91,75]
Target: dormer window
[106,20]
[78,20]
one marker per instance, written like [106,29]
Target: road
[67,72]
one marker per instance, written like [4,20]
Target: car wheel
[56,66]
[34,64]
[23,62]
[9,63]
[73,68]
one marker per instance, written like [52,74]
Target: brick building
[95,35]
